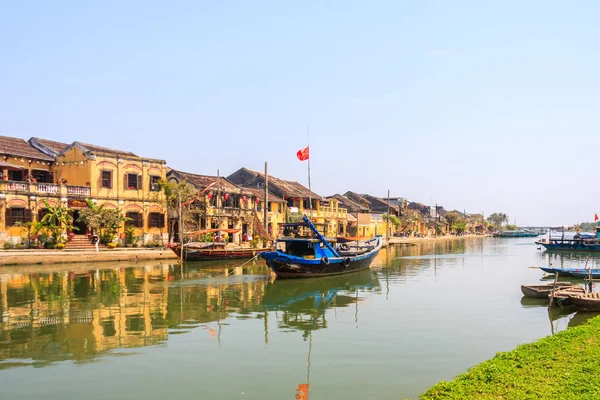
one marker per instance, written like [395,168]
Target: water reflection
[303,303]
[79,314]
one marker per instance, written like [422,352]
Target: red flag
[595,217]
[302,154]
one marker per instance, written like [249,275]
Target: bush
[60,246]
[8,245]
[111,245]
[19,246]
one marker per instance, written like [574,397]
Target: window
[17,215]
[156,220]
[154,186]
[133,182]
[106,179]
[41,213]
[136,219]
[15,175]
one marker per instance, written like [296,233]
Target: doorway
[81,227]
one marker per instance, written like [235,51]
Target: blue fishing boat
[575,272]
[579,242]
[307,253]
[515,234]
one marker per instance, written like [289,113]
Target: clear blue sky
[486,107]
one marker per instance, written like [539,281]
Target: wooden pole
[387,222]
[180,229]
[553,290]
[266,212]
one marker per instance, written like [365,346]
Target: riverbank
[563,366]
[411,240]
[16,257]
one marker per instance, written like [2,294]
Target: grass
[563,366]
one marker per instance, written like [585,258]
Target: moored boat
[215,252]
[562,296]
[542,291]
[586,302]
[312,255]
[515,234]
[574,272]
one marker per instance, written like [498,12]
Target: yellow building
[43,171]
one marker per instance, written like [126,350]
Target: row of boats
[301,253]
[566,293]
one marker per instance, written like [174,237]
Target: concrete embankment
[18,257]
[411,240]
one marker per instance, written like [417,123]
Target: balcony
[328,212]
[31,188]
[78,190]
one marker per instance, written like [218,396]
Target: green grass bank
[563,366]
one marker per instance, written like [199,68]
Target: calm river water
[153,330]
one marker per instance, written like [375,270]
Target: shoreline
[39,257]
[66,256]
[561,366]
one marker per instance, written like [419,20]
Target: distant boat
[515,234]
[310,254]
[575,272]
[575,244]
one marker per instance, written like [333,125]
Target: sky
[477,106]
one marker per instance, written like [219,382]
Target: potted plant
[129,236]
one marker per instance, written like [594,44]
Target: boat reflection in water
[559,315]
[304,302]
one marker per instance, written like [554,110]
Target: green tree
[497,219]
[104,221]
[176,193]
[392,219]
[57,221]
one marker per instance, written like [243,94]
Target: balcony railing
[18,186]
[79,190]
[46,188]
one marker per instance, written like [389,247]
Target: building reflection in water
[79,313]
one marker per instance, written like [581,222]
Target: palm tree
[57,220]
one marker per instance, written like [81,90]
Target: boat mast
[309,189]
[266,211]
[387,222]
[218,203]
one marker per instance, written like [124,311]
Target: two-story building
[228,206]
[42,171]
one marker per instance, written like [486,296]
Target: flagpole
[309,189]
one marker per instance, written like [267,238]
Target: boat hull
[295,267]
[573,245]
[191,254]
[587,302]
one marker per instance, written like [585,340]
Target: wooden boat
[586,302]
[313,255]
[214,252]
[542,291]
[562,296]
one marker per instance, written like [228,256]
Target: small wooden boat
[313,255]
[575,272]
[586,302]
[215,251]
[542,291]
[562,296]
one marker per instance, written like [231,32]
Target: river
[155,330]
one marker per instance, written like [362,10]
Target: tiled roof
[289,188]
[54,147]
[260,193]
[356,197]
[19,147]
[348,203]
[202,181]
[99,149]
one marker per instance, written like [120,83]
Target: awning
[4,164]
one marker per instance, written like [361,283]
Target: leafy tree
[57,220]
[392,219]
[104,222]
[459,226]
[176,193]
[497,219]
